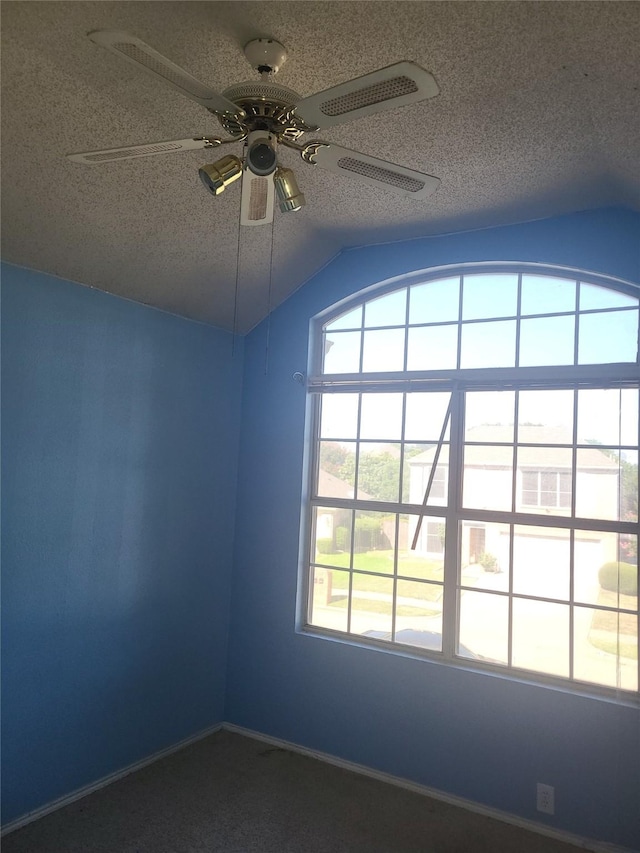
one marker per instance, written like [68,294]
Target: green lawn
[382,563]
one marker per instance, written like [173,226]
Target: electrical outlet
[545,798]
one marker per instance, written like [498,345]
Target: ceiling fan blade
[393,86]
[140,54]
[258,198]
[108,155]
[371,170]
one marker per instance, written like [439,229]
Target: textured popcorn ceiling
[538,114]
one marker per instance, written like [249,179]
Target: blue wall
[120,428]
[479,736]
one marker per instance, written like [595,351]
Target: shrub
[489,562]
[325,546]
[342,539]
[619,576]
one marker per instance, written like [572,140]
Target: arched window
[474,482]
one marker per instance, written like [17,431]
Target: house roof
[546,452]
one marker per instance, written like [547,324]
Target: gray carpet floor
[233,794]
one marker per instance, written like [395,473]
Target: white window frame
[457,381]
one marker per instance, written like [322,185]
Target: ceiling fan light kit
[263,115]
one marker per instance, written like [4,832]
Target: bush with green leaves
[325,546]
[342,539]
[489,562]
[622,577]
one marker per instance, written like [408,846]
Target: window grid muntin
[501,379]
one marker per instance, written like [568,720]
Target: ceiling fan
[263,115]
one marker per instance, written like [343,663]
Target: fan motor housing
[267,106]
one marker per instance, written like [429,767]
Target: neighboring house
[542,487]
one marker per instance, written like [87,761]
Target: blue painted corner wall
[119,439]
[129,620]
[481,737]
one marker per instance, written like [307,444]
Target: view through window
[475,474]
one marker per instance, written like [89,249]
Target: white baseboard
[469,805]
[78,794]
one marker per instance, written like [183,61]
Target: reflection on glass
[547,340]
[350,320]
[383,350]
[608,338]
[387,310]
[381,416]
[484,556]
[484,626]
[489,409]
[608,416]
[491,295]
[433,348]
[542,294]
[342,352]
[424,416]
[371,604]
[435,301]
[592,296]
[541,636]
[379,472]
[541,562]
[605,647]
[548,409]
[491,344]
[329,598]
[339,416]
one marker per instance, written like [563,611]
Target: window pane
[608,416]
[542,294]
[489,344]
[374,539]
[484,626]
[379,472]
[329,598]
[546,409]
[489,414]
[332,545]
[425,415]
[608,337]
[484,557]
[594,296]
[435,301]
[371,604]
[350,320]
[422,563]
[433,348]
[488,477]
[492,295]
[547,340]
[419,615]
[336,469]
[606,570]
[387,310]
[418,464]
[383,350]
[606,647]
[342,352]
[598,483]
[541,561]
[339,416]
[381,416]
[541,636]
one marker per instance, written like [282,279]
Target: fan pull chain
[235,294]
[266,349]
